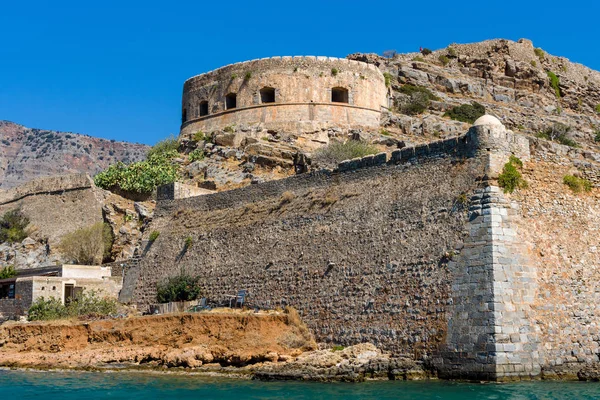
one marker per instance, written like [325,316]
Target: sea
[43,385]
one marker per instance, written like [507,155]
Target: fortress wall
[56,205]
[362,255]
[303,87]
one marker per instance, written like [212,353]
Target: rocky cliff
[27,153]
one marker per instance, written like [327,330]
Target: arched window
[203,108]
[230,101]
[267,95]
[339,95]
[184,115]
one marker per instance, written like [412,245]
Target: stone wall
[302,95]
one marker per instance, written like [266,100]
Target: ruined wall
[55,206]
[302,95]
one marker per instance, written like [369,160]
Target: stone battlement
[289,93]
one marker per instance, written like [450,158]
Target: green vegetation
[597,108]
[140,177]
[384,132]
[336,152]
[511,178]
[153,236]
[334,71]
[248,76]
[555,84]
[182,287]
[164,147]
[576,184]
[452,52]
[196,155]
[388,79]
[228,129]
[539,53]
[8,272]
[533,63]
[444,59]
[199,136]
[12,226]
[426,52]
[558,133]
[419,99]
[233,76]
[419,59]
[337,348]
[88,246]
[466,112]
[86,304]
[188,242]
[597,135]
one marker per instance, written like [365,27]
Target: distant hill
[28,153]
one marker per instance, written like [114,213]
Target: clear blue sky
[115,69]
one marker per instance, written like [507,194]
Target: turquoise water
[22,385]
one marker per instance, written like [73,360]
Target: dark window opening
[7,291]
[68,293]
[183,115]
[267,95]
[230,101]
[339,95]
[203,108]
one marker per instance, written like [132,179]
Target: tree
[89,245]
[12,226]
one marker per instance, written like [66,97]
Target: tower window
[230,101]
[339,95]
[184,115]
[267,95]
[203,108]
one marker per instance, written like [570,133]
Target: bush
[188,242]
[597,135]
[598,108]
[248,76]
[12,226]
[334,71]
[165,147]
[539,53]
[510,178]
[426,52]
[418,101]
[8,272]
[86,304]
[577,184]
[182,287]
[196,155]
[388,79]
[88,246]
[336,152]
[444,59]
[558,133]
[466,112]
[153,236]
[199,136]
[555,84]
[452,52]
[142,176]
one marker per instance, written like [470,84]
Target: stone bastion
[289,93]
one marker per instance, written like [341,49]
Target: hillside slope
[27,153]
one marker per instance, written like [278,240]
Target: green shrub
[88,246]
[533,63]
[196,155]
[452,52]
[188,242]
[337,348]
[426,52]
[597,135]
[228,129]
[419,59]
[558,133]
[539,53]
[418,101]
[336,152]
[165,147]
[248,76]
[87,304]
[12,226]
[199,136]
[388,79]
[182,287]
[598,108]
[8,272]
[576,184]
[334,71]
[510,178]
[444,59]
[153,236]
[466,112]
[142,176]
[384,132]
[555,84]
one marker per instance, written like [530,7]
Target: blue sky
[115,69]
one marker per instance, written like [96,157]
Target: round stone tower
[287,93]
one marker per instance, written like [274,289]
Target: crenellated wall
[302,95]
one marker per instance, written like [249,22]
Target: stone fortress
[301,93]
